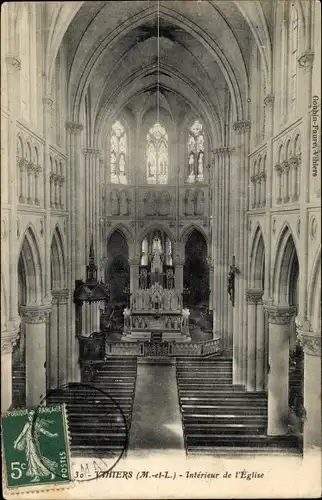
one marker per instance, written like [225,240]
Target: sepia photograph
[161,249]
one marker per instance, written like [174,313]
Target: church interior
[161,222]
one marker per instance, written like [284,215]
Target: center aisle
[156,419]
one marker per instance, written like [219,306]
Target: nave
[161,222]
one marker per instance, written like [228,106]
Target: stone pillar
[278,169]
[260,347]
[134,278]
[178,281]
[62,352]
[286,169]
[253,297]
[9,338]
[52,354]
[35,319]
[240,192]
[278,372]
[311,343]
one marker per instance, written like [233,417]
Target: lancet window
[157,155]
[118,154]
[196,152]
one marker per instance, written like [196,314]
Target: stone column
[278,372]
[295,161]
[311,343]
[240,192]
[35,319]
[278,169]
[178,279]
[261,348]
[134,278]
[62,344]
[253,297]
[9,338]
[52,353]
[286,169]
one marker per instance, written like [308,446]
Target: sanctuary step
[100,418]
[218,417]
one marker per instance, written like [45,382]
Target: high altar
[156,311]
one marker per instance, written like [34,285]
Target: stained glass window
[196,149]
[157,157]
[118,154]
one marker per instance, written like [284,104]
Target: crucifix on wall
[233,270]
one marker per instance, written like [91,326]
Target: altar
[156,312]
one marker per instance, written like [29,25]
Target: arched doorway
[285,402]
[57,345]
[196,271]
[29,294]
[257,331]
[117,271]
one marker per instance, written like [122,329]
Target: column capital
[269,101]
[221,151]
[279,315]
[285,165]
[13,63]
[60,295]
[178,262]
[308,339]
[241,127]
[9,335]
[278,169]
[35,314]
[294,160]
[306,60]
[134,262]
[47,103]
[91,151]
[74,128]
[254,296]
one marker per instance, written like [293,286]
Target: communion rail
[94,351]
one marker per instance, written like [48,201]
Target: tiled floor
[156,419]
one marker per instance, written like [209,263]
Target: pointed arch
[153,227]
[314,302]
[125,232]
[57,260]
[30,267]
[187,232]
[257,260]
[284,270]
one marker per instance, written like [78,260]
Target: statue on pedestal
[169,278]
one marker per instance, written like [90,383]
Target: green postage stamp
[36,448]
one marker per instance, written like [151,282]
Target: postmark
[92,408]
[36,449]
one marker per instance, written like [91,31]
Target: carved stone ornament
[60,295]
[225,150]
[285,166]
[313,228]
[309,340]
[269,100]
[254,296]
[74,128]
[36,314]
[242,127]
[9,339]
[306,60]
[13,63]
[279,315]
[47,103]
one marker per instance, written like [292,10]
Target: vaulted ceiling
[188,55]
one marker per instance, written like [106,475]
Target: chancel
[161,221]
